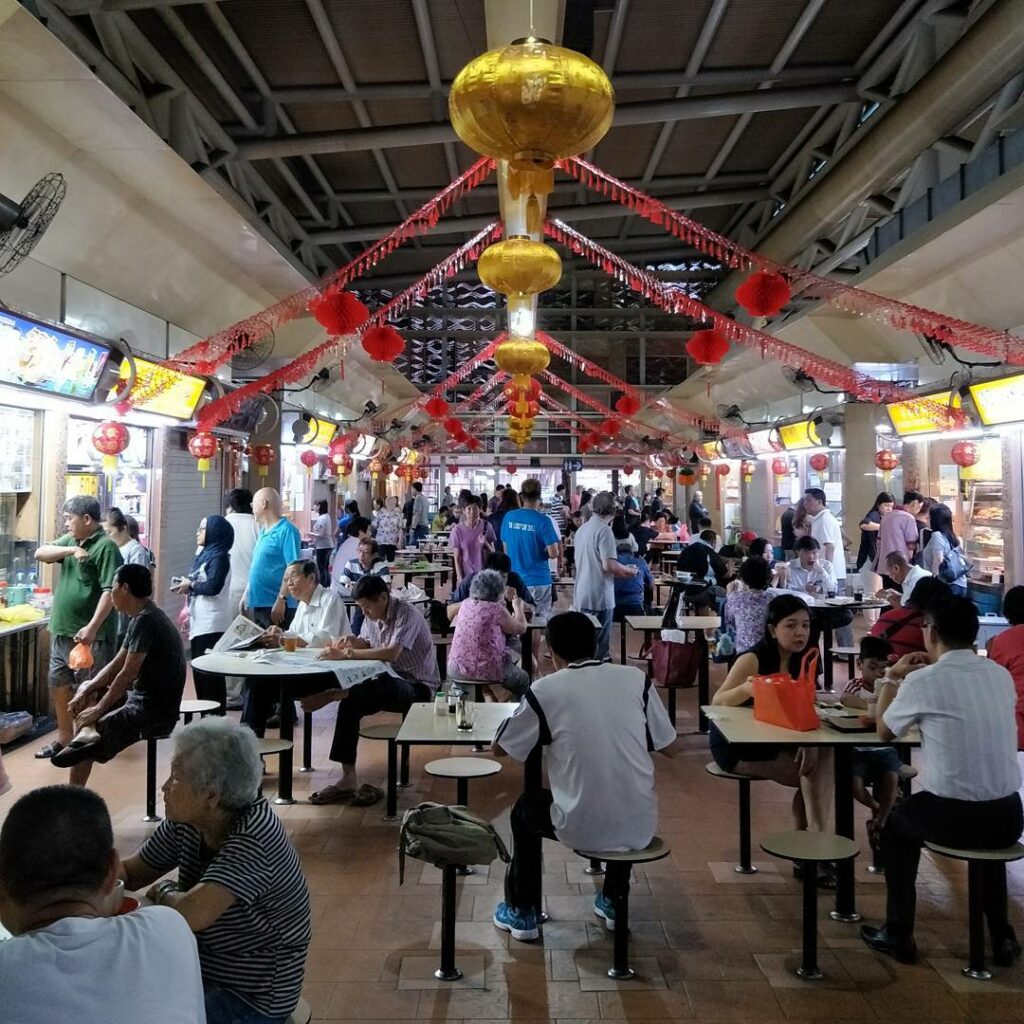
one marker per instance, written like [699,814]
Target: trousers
[976,824]
[209,685]
[384,693]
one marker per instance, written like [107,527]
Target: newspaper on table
[239,636]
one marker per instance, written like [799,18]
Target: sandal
[366,796]
[332,795]
[50,749]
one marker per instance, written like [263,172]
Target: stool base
[982,974]
[453,975]
[284,800]
[740,869]
[306,771]
[152,817]
[851,918]
[809,974]
[614,972]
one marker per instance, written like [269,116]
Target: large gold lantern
[522,357]
[519,266]
[531,103]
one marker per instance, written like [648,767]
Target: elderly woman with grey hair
[478,649]
[239,883]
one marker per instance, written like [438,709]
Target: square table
[429,575]
[738,725]
[698,623]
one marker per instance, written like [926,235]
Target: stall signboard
[999,401]
[178,401]
[734,449]
[796,436]
[38,356]
[763,443]
[321,435]
[909,418]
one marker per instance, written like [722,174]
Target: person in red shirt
[1007,649]
[901,626]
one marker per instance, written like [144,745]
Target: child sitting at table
[877,767]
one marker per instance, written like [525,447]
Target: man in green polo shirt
[81,606]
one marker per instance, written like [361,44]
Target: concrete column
[756,508]
[862,481]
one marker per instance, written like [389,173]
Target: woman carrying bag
[208,589]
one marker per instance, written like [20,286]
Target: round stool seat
[197,707]
[272,745]
[656,849]
[809,846]
[302,1014]
[720,773]
[462,767]
[845,652]
[380,731]
[1008,853]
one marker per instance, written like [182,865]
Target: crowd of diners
[228,912]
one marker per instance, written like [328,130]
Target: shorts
[61,674]
[869,764]
[541,604]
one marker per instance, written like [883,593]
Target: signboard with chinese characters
[912,418]
[795,436]
[179,400]
[999,401]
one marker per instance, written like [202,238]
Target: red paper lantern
[451,425]
[436,407]
[595,438]
[383,344]
[511,469]
[110,439]
[340,461]
[203,446]
[627,469]
[610,426]
[339,312]
[584,444]
[658,474]
[474,444]
[887,460]
[780,467]
[707,347]
[687,475]
[965,454]
[819,462]
[309,459]
[763,293]
[263,455]
[722,469]
[628,406]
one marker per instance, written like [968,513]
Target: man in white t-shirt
[598,725]
[68,959]
[238,512]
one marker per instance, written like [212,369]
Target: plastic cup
[290,643]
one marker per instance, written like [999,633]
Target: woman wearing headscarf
[207,586]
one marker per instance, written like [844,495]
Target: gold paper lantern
[519,266]
[531,103]
[522,357]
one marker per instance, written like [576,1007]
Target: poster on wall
[16,447]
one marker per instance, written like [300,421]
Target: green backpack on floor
[443,835]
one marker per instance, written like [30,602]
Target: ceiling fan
[804,382]
[733,415]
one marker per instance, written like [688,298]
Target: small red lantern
[339,312]
[584,444]
[965,454]
[763,293]
[722,469]
[687,475]
[628,406]
[110,439]
[383,344]
[474,444]
[780,467]
[339,461]
[707,347]
[658,474]
[887,460]
[203,446]
[611,426]
[436,407]
[263,455]
[627,469]
[511,469]
[595,438]
[309,459]
[748,468]
[819,462]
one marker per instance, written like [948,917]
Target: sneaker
[604,907]
[522,924]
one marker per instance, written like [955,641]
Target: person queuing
[898,533]
[869,529]
[207,587]
[71,956]
[1007,649]
[238,512]
[138,694]
[349,512]
[697,512]
[967,793]
[88,560]
[419,521]
[239,884]
[395,632]
[598,724]
[324,538]
[132,553]
[508,502]
[388,528]
[942,555]
[470,541]
[279,543]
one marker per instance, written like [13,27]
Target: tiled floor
[709,944]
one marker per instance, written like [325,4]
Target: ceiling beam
[106,6]
[649,112]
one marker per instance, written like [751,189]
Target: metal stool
[619,866]
[151,742]
[188,709]
[745,867]
[809,849]
[849,654]
[389,731]
[441,645]
[976,861]
[462,769]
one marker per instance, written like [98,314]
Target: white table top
[8,628]
[685,622]
[739,726]
[424,725]
[302,662]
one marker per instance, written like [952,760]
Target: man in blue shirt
[278,544]
[530,539]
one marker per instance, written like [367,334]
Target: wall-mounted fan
[23,224]
[804,382]
[824,423]
[248,359]
[733,415]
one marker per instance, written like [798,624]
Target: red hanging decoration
[780,467]
[511,469]
[340,461]
[887,460]
[819,462]
[309,459]
[110,439]
[748,467]
[203,446]
[965,454]
[451,425]
[474,444]
[707,347]
[763,293]
[722,469]
[687,475]
[263,455]
[383,344]
[436,407]
[611,426]
[627,469]
[337,311]
[628,406]
[584,444]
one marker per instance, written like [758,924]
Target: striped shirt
[257,948]
[405,627]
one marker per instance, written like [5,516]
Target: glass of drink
[290,642]
[464,714]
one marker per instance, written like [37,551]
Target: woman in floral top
[746,610]
[388,528]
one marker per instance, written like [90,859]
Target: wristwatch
[161,889]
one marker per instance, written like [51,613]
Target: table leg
[286,758]
[307,742]
[703,681]
[391,808]
[846,897]
[448,971]
[403,772]
[622,642]
[826,639]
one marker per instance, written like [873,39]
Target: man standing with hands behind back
[88,559]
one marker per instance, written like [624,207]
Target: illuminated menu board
[795,436]
[179,400]
[999,401]
[911,418]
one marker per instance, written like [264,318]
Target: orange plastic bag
[781,700]
[80,657]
